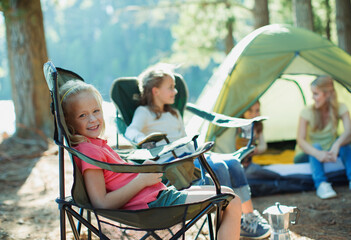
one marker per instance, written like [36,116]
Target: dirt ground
[29,187]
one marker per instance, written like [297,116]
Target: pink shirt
[99,150]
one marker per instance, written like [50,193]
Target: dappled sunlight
[7,124]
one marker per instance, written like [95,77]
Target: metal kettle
[280,217]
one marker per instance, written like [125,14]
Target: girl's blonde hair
[153,77]
[73,88]
[326,85]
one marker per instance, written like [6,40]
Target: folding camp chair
[125,95]
[179,173]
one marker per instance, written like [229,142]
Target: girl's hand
[334,151]
[324,156]
[149,179]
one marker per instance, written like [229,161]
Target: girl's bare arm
[345,137]
[262,145]
[95,185]
[322,156]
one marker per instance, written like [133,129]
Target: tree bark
[27,53]
[229,40]
[303,16]
[260,13]
[328,18]
[343,24]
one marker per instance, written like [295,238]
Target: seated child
[82,107]
[155,114]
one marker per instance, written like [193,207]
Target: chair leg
[86,223]
[63,224]
[200,229]
[73,226]
[150,233]
[189,224]
[89,220]
[81,212]
[210,226]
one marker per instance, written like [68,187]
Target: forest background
[103,40]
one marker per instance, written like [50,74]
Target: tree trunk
[303,16]
[27,53]
[261,13]
[229,40]
[328,18]
[343,24]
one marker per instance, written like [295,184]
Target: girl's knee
[235,205]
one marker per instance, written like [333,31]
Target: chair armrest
[153,138]
[222,120]
[243,152]
[180,172]
[156,152]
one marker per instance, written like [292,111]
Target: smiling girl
[317,134]
[82,107]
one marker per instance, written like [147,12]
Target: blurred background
[104,40]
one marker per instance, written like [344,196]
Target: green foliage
[200,32]
[280,11]
[103,40]
[320,16]
[4,5]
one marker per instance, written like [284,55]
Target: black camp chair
[125,95]
[179,173]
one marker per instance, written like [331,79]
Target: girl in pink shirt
[82,107]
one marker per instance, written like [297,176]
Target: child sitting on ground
[242,138]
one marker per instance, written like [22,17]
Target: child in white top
[157,87]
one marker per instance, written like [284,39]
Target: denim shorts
[169,197]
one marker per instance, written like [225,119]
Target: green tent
[274,64]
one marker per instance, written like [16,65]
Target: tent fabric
[274,64]
[269,56]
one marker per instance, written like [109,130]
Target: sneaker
[325,191]
[254,226]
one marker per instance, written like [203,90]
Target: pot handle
[297,215]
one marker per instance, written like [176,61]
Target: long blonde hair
[73,88]
[326,85]
[153,77]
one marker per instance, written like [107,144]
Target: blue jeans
[229,172]
[318,174]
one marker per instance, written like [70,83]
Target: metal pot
[280,217]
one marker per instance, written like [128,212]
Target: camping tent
[275,64]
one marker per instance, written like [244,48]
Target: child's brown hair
[153,77]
